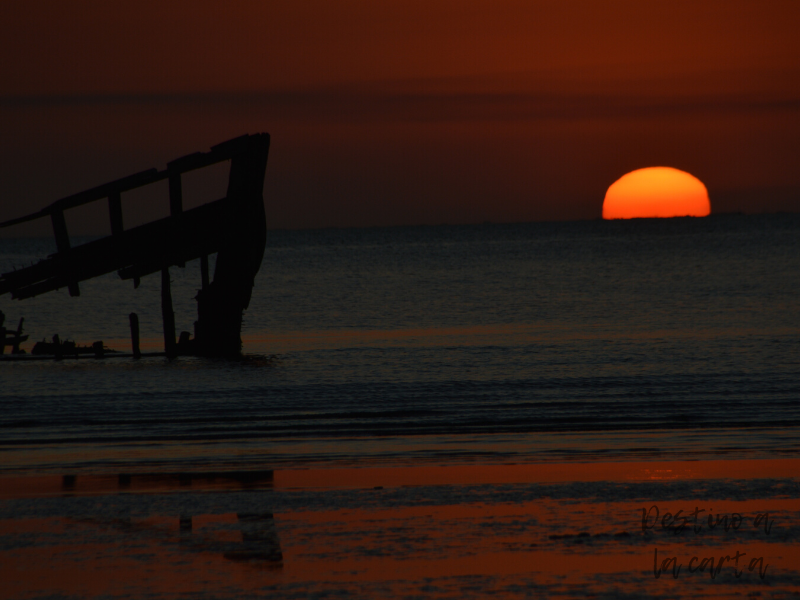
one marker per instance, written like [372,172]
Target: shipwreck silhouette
[234,227]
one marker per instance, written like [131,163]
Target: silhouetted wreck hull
[220,305]
[233,227]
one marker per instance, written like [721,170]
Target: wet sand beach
[571,530]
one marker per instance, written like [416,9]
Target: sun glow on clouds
[656,192]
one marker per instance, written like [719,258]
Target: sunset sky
[404,111]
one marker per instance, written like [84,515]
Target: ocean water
[656,339]
[482,411]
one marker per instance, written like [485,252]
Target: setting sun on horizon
[656,192]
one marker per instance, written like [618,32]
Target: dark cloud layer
[348,106]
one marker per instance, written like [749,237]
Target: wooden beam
[190,162]
[134,319]
[62,244]
[147,248]
[25,219]
[60,230]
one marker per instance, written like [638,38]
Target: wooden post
[168,315]
[176,203]
[18,338]
[134,318]
[60,230]
[175,193]
[62,243]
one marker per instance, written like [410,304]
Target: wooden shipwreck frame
[234,227]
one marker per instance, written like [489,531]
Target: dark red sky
[404,111]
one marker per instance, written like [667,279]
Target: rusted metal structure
[234,227]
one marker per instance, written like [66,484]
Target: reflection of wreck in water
[259,539]
[233,227]
[250,537]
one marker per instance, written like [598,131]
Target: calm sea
[672,338]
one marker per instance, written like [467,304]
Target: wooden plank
[62,243]
[25,219]
[175,193]
[219,153]
[60,230]
[190,162]
[103,191]
[231,147]
[120,185]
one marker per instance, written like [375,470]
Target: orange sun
[656,192]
